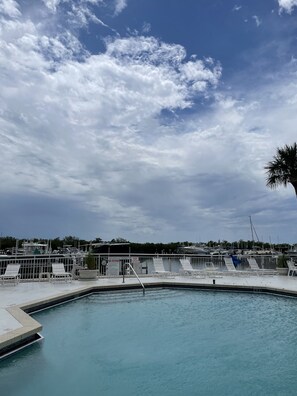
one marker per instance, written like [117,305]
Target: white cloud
[81,128]
[9,8]
[52,4]
[146,27]
[287,5]
[120,5]
[89,129]
[77,13]
[199,75]
[257,20]
[83,15]
[237,8]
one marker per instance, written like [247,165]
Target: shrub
[282,261]
[90,261]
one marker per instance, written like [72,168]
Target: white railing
[39,267]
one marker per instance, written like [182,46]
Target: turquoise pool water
[170,342]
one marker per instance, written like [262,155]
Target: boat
[198,250]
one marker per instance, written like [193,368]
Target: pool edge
[30,328]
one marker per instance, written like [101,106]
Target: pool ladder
[132,269]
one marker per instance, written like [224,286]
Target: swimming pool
[170,342]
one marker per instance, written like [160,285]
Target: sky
[148,120]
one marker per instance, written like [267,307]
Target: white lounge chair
[253,264]
[292,269]
[187,268]
[231,269]
[113,268]
[11,274]
[136,264]
[159,267]
[255,267]
[210,267]
[59,273]
[229,264]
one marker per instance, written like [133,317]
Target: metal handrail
[142,285]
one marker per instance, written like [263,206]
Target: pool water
[170,342]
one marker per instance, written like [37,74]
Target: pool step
[131,295]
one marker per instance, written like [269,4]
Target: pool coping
[30,328]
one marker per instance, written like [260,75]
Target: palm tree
[283,169]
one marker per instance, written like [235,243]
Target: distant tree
[241,244]
[119,240]
[283,169]
[55,243]
[226,244]
[71,240]
[7,242]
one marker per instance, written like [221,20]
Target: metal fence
[264,261]
[39,267]
[36,267]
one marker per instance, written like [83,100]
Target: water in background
[170,342]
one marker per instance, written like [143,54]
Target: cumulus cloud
[52,4]
[287,5]
[120,5]
[80,125]
[9,8]
[86,132]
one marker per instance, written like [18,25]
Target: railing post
[34,267]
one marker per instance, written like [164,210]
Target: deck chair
[11,274]
[136,264]
[231,269]
[254,266]
[208,265]
[159,267]
[229,264]
[187,268]
[292,268]
[59,273]
[113,268]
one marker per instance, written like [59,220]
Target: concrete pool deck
[17,326]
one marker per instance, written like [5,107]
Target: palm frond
[283,169]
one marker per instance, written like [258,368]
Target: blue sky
[150,120]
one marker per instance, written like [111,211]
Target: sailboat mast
[253,230]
